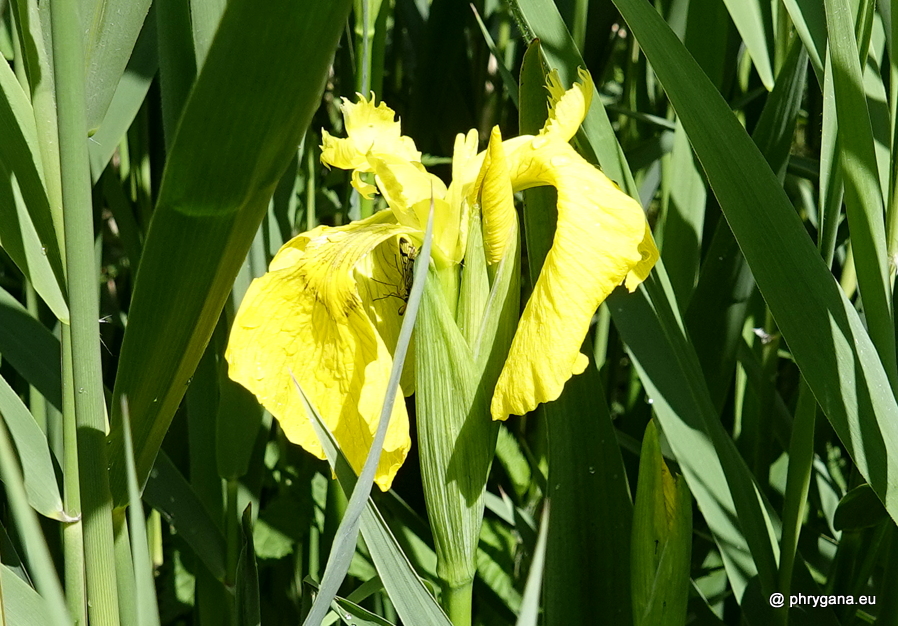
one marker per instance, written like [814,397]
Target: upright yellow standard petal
[600,241]
[371,130]
[408,188]
[306,317]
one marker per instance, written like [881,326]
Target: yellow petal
[306,316]
[567,109]
[601,239]
[408,188]
[464,153]
[371,130]
[649,254]
[496,200]
[384,281]
[465,166]
[365,189]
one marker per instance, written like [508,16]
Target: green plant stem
[363,39]
[456,602]
[43,101]
[73,533]
[578,30]
[99,556]
[311,173]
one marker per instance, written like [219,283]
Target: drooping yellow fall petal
[384,280]
[496,199]
[306,316]
[600,241]
[371,130]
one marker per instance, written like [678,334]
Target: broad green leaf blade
[169,493]
[205,16]
[237,425]
[677,392]
[822,328]
[239,413]
[717,475]
[177,63]
[587,562]
[859,508]
[706,34]
[239,130]
[129,95]
[19,603]
[26,228]
[753,21]
[831,186]
[201,401]
[716,314]
[662,540]
[878,107]
[40,479]
[111,28]
[679,235]
[346,538]
[773,134]
[30,348]
[863,191]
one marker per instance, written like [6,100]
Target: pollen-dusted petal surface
[305,316]
[371,130]
[601,237]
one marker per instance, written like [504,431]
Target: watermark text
[778,600]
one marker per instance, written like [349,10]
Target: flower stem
[457,602]
[81,273]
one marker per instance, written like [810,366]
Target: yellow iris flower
[329,309]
